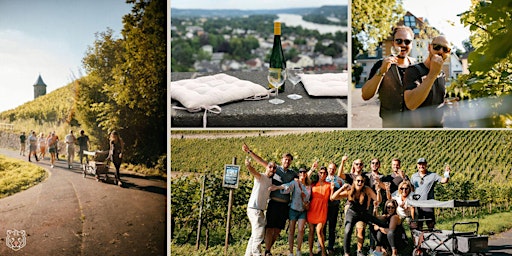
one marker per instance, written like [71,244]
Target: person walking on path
[301,196]
[116,154]
[32,148]
[23,143]
[257,206]
[41,140]
[52,148]
[83,144]
[278,205]
[70,140]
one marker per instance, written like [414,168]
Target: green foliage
[480,162]
[18,175]
[489,63]
[372,21]
[55,107]
[125,88]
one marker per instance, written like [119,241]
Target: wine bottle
[277,56]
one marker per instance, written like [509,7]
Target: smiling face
[440,46]
[375,164]
[322,174]
[358,165]
[395,165]
[271,169]
[390,208]
[422,167]
[359,183]
[403,39]
[331,168]
[286,161]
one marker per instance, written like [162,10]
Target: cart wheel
[418,252]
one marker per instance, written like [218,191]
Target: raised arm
[313,168]
[257,158]
[340,193]
[446,176]
[341,172]
[251,169]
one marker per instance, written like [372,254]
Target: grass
[489,224]
[18,175]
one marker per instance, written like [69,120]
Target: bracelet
[380,73]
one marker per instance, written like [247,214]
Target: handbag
[305,204]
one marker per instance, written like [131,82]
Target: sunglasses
[322,173]
[359,181]
[390,207]
[358,163]
[375,162]
[404,188]
[421,181]
[438,47]
[405,41]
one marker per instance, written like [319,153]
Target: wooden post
[200,222]
[228,222]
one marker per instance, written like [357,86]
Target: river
[294,20]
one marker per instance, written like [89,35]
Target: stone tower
[39,87]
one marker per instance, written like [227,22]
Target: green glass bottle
[277,57]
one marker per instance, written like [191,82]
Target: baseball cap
[421,160]
[303,170]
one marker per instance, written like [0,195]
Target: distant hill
[338,11]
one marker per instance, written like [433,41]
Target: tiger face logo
[16,239]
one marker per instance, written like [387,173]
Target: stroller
[448,242]
[98,166]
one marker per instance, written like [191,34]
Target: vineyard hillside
[54,107]
[472,154]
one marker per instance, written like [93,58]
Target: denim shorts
[296,215]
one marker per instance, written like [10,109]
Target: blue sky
[49,38]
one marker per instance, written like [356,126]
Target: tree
[125,88]
[372,20]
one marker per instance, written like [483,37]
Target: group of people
[280,194]
[42,143]
[405,86]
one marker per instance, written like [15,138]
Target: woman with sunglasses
[301,193]
[402,196]
[386,78]
[359,199]
[393,235]
[317,213]
[355,170]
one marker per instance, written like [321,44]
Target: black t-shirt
[427,114]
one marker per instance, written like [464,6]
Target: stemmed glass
[294,77]
[395,50]
[276,77]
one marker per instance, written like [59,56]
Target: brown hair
[352,192]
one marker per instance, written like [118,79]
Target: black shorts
[428,214]
[277,214]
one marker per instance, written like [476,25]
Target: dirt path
[70,215]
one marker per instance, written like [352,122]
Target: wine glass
[294,77]
[395,50]
[276,77]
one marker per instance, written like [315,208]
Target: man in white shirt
[257,206]
[70,140]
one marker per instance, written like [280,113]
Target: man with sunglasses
[278,205]
[424,182]
[386,79]
[425,86]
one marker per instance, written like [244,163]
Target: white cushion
[329,84]
[207,91]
